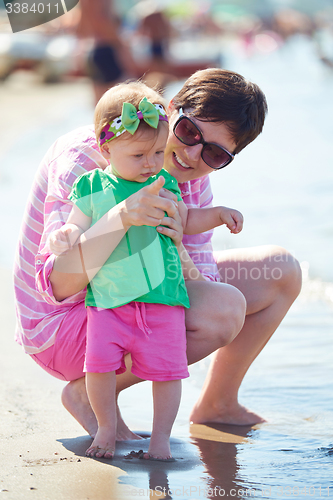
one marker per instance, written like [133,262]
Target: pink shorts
[154,334]
[65,358]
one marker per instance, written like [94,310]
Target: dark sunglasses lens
[187,132]
[215,156]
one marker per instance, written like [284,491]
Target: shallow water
[283,184]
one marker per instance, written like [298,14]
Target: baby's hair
[223,96]
[110,105]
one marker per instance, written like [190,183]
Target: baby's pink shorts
[154,334]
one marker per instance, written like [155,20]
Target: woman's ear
[105,150]
[171,111]
[171,107]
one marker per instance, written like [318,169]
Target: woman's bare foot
[75,400]
[234,414]
[123,432]
[103,445]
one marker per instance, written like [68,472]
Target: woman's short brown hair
[220,95]
[110,105]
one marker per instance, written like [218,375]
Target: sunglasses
[188,133]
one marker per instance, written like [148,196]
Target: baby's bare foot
[159,447]
[103,446]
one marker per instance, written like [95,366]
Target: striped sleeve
[198,194]
[39,315]
[206,194]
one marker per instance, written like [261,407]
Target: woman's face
[185,162]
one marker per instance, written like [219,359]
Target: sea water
[283,184]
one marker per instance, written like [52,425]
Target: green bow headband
[130,119]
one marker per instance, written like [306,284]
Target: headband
[130,119]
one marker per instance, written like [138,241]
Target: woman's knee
[285,270]
[232,316]
[225,315]
[217,312]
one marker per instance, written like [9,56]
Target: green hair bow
[130,119]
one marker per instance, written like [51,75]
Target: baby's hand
[232,219]
[59,241]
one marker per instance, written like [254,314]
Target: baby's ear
[105,150]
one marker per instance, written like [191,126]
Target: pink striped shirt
[39,314]
[198,194]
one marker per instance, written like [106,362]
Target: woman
[212,118]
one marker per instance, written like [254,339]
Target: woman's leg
[74,397]
[270,280]
[166,397]
[215,318]
[101,390]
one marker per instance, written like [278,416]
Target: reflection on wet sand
[217,444]
[220,432]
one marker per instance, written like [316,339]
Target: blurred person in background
[110,60]
[290,22]
[155,25]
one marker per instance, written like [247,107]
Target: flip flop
[143,456]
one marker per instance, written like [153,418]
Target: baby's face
[138,158]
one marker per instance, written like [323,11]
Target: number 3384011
[24,8]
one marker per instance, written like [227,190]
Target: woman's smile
[181,162]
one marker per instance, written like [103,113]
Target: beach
[283,185]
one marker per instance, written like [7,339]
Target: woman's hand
[147,206]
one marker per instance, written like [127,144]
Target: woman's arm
[73,270]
